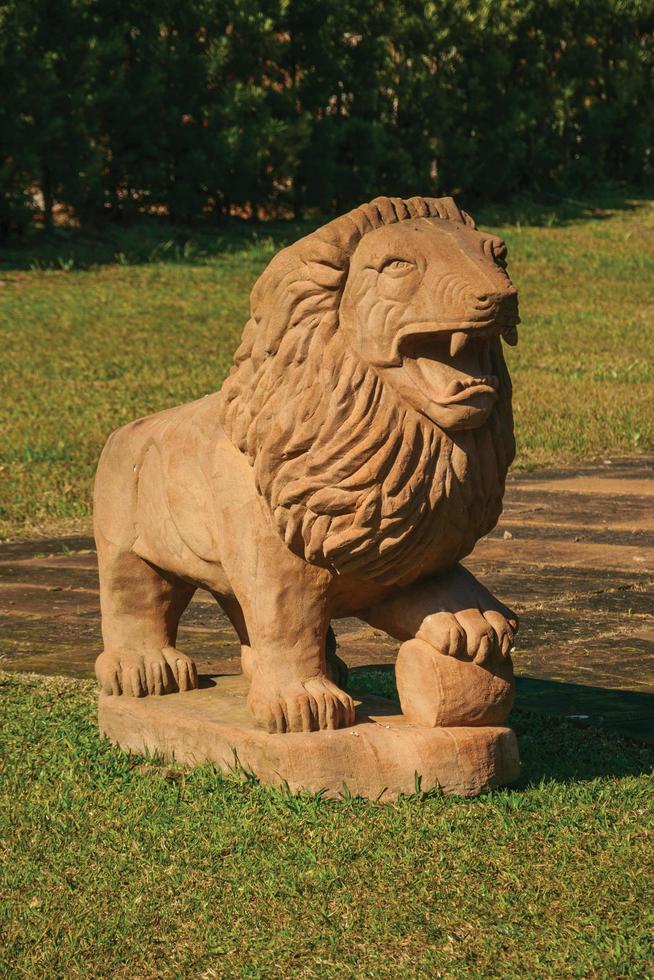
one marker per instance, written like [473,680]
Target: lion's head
[370,392]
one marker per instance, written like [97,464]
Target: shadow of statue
[567,732]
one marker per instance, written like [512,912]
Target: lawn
[121,867]
[96,331]
[118,867]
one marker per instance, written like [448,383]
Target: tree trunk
[48,196]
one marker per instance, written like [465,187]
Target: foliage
[97,331]
[114,107]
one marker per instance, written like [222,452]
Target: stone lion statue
[353,457]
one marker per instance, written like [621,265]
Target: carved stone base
[379,757]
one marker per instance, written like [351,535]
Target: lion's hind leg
[141,609]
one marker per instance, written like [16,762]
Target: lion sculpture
[353,457]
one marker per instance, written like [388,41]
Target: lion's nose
[504,303]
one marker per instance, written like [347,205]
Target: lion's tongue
[436,375]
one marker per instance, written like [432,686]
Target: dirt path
[573,553]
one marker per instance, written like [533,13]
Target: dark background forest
[112,108]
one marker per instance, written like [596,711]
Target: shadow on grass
[567,732]
[155,239]
[147,240]
[549,210]
[627,713]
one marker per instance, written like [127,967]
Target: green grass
[114,867]
[95,332]
[120,867]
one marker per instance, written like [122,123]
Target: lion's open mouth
[450,376]
[455,375]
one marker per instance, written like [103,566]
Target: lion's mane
[355,480]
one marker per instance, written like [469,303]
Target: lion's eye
[397,267]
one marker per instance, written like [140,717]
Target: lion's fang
[458,340]
[510,335]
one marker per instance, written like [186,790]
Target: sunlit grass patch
[118,867]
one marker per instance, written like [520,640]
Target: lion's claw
[301,706]
[141,674]
[475,634]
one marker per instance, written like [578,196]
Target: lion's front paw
[472,633]
[151,672]
[300,706]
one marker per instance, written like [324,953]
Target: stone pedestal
[379,757]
